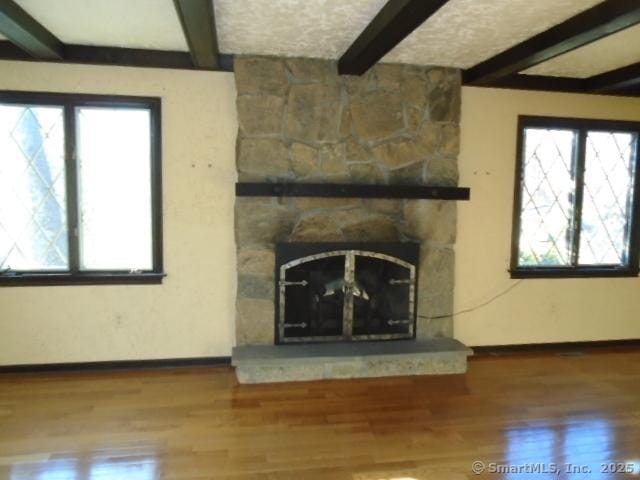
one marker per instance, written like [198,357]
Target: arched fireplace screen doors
[345,294]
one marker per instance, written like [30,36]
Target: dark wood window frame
[95,277]
[582,126]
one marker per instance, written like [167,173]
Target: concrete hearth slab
[290,363]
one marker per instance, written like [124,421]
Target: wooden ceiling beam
[540,82]
[116,56]
[598,22]
[396,20]
[197,18]
[543,83]
[27,33]
[620,79]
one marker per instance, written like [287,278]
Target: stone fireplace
[300,122]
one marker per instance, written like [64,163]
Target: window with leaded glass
[79,189]
[576,202]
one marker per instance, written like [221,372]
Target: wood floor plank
[198,423]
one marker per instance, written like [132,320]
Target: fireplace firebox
[345,291]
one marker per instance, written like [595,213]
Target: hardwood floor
[197,423]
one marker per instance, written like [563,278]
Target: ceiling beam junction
[197,18]
[589,26]
[615,80]
[27,33]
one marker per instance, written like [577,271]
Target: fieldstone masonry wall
[302,122]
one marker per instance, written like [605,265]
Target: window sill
[62,279]
[572,273]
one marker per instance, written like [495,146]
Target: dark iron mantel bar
[336,190]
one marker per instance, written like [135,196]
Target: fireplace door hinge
[391,321]
[285,283]
[295,325]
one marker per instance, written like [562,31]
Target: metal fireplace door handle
[348,289]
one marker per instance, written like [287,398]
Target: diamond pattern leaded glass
[33,223]
[608,187]
[548,189]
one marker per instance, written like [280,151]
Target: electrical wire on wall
[477,307]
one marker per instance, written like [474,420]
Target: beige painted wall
[533,311]
[191,314]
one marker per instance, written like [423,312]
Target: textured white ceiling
[305,28]
[465,32]
[461,34]
[114,23]
[614,51]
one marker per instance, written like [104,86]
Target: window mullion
[72,186]
[633,231]
[579,195]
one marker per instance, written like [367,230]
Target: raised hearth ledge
[338,190]
[290,363]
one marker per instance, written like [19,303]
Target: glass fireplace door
[346,295]
[312,297]
[383,299]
